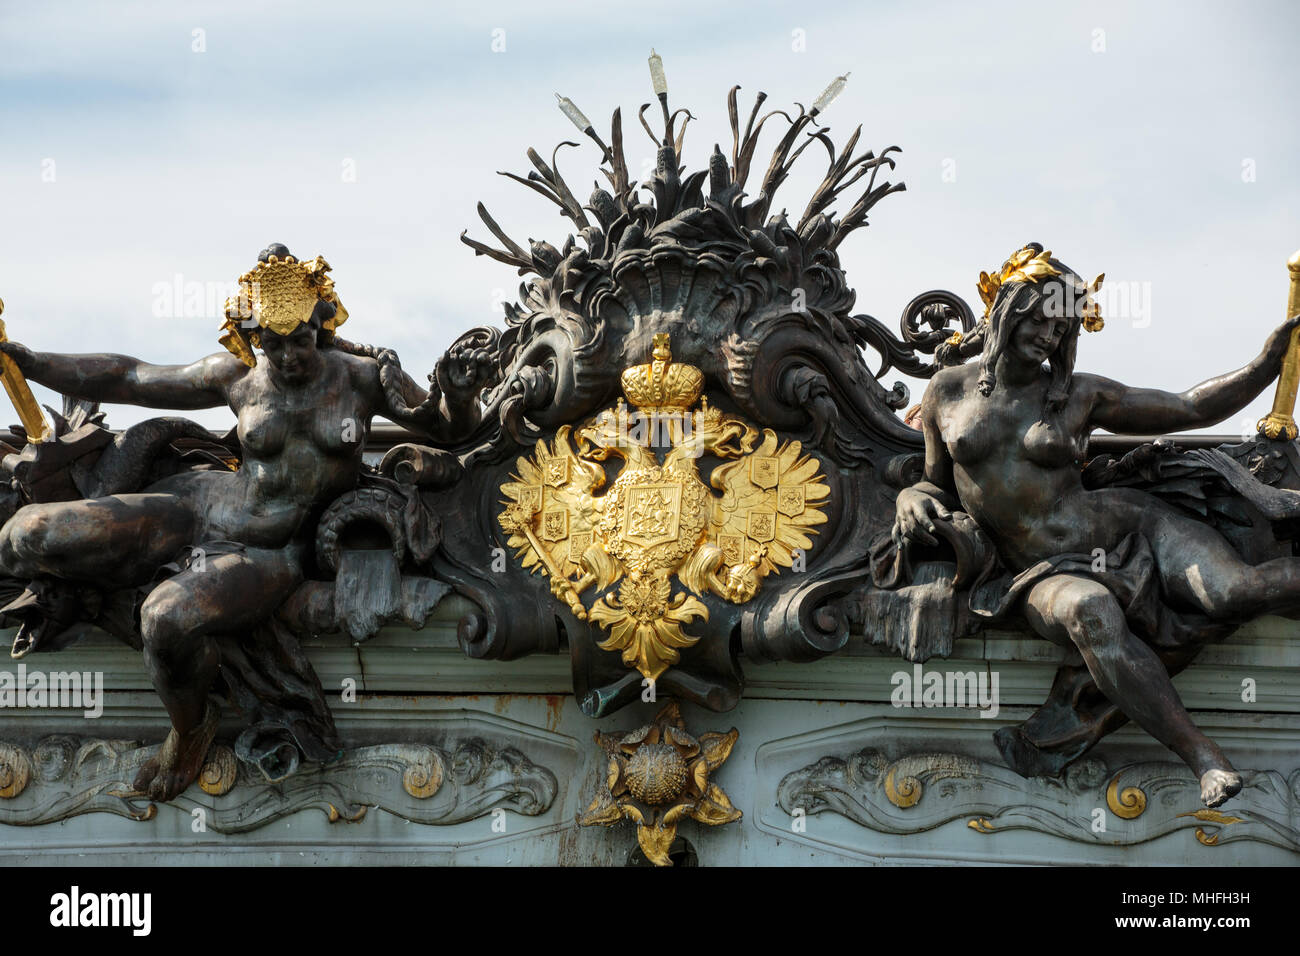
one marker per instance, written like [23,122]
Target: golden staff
[20,393]
[1280,424]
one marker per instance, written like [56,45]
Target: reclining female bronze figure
[1108,571]
[303,415]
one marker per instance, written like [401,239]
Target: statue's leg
[1199,567]
[1129,673]
[233,592]
[117,541]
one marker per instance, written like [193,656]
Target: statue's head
[286,308]
[1035,308]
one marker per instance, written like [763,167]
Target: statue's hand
[22,356]
[1276,346]
[917,512]
[464,371]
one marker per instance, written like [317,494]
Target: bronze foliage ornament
[700,551]
[658,775]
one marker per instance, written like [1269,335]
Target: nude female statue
[1004,441]
[303,415]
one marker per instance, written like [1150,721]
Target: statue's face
[294,355]
[1038,334]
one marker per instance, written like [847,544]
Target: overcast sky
[1155,142]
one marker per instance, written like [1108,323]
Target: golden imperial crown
[662,383]
[279,294]
[1029,264]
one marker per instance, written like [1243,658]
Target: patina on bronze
[761,321]
[302,414]
[1128,580]
[216,552]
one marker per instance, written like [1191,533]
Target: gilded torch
[1280,422]
[20,393]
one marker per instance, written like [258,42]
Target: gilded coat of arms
[659,522]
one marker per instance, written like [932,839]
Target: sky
[151,147]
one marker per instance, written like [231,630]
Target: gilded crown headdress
[278,294]
[1032,263]
[662,383]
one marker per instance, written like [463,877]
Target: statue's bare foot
[178,762]
[1219,786]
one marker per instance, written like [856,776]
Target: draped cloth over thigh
[269,679]
[1076,714]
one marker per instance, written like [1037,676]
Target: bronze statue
[303,415]
[1111,571]
[513,502]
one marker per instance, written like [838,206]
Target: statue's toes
[1219,786]
[165,787]
[145,777]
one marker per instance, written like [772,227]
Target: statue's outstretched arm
[1119,408]
[126,380]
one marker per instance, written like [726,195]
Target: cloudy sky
[146,145]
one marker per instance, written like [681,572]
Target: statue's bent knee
[163,623]
[1092,616]
[30,534]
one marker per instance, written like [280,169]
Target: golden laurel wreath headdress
[1029,264]
[279,294]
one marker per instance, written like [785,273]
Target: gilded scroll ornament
[1127,804]
[65,776]
[220,771]
[920,791]
[15,771]
[658,774]
[659,520]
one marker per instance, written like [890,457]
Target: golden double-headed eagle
[659,520]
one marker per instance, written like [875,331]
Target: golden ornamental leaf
[716,748]
[714,808]
[685,609]
[679,738]
[671,714]
[700,774]
[603,812]
[678,810]
[656,840]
